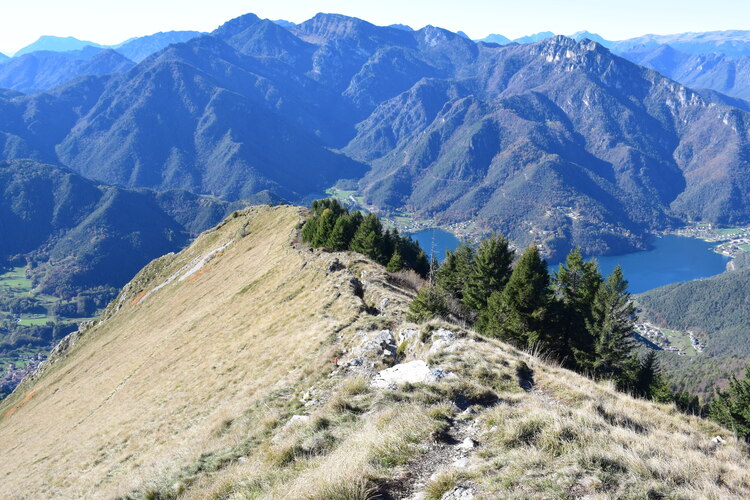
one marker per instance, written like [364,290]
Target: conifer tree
[341,234]
[429,303]
[396,263]
[611,325]
[489,273]
[519,313]
[731,408]
[368,238]
[324,228]
[421,264]
[575,285]
[453,272]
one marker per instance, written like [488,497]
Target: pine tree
[421,264]
[430,302]
[611,325]
[455,269]
[310,230]
[731,408]
[519,313]
[368,238]
[575,285]
[324,228]
[396,263]
[489,273]
[342,233]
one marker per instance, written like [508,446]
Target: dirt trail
[448,450]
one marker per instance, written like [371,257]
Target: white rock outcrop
[413,372]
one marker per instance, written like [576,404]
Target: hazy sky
[110,22]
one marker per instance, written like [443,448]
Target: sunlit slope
[250,366]
[147,387]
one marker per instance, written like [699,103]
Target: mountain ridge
[287,398]
[330,87]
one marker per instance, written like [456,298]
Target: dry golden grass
[189,391]
[144,392]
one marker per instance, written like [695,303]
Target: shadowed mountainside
[78,234]
[715,307]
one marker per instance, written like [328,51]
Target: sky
[110,22]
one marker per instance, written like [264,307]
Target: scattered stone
[466,444]
[461,463]
[381,344]
[358,361]
[441,339]
[718,440]
[460,493]
[407,334]
[383,303]
[413,372]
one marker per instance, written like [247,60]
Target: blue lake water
[443,241]
[672,259]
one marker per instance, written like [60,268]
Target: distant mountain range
[136,49]
[729,75]
[558,142]
[42,70]
[55,44]
[731,43]
[139,48]
[37,70]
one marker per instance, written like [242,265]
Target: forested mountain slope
[718,307]
[428,121]
[42,70]
[77,234]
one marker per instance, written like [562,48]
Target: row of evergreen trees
[577,316]
[332,226]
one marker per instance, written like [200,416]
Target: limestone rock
[413,372]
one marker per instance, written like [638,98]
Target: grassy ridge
[189,384]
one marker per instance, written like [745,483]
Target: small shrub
[356,385]
[360,489]
[441,485]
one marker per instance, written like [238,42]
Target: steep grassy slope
[242,367]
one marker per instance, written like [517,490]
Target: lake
[672,259]
[443,241]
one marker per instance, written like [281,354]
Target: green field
[343,196]
[680,340]
[15,281]
[34,319]
[730,231]
[745,248]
